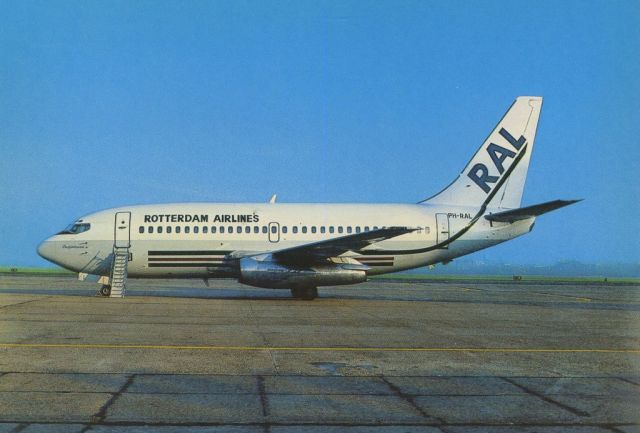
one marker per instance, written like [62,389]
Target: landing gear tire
[305,293]
[105,290]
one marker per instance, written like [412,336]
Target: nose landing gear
[105,290]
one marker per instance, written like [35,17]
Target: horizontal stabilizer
[529,211]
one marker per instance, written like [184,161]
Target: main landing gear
[305,293]
[105,290]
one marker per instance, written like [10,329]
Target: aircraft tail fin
[498,170]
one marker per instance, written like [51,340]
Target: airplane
[300,246]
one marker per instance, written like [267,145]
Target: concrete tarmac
[384,356]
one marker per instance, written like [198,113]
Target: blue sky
[110,103]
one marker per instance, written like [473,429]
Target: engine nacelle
[273,275]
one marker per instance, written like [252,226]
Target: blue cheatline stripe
[186,259]
[188,265]
[466,228]
[188,253]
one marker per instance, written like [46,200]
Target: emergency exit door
[442,228]
[274,232]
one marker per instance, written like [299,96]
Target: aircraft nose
[45,250]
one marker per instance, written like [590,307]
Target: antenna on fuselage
[273,198]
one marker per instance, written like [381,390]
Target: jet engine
[273,275]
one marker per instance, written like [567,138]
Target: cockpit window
[74,229]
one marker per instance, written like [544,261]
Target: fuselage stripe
[189,253]
[361,258]
[186,259]
[186,265]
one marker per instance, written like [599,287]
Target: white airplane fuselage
[160,245]
[303,246]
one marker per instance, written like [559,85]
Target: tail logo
[479,173]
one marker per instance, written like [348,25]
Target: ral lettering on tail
[480,173]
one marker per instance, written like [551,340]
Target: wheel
[305,293]
[105,290]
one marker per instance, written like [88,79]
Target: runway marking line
[312,349]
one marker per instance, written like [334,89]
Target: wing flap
[529,211]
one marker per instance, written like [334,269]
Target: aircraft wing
[334,247]
[523,213]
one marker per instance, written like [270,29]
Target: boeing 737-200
[303,246]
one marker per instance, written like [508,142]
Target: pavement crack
[100,416]
[568,408]
[632,382]
[24,302]
[264,402]
[264,340]
[409,399]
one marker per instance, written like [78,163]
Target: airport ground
[384,356]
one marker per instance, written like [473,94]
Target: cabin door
[442,228]
[274,232]
[122,230]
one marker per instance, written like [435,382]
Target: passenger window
[177,229]
[323,229]
[366,228]
[304,229]
[427,230]
[284,229]
[168,229]
[349,229]
[375,227]
[221,229]
[141,229]
[313,229]
[214,229]
[274,229]
[294,229]
[340,229]
[230,230]
[247,229]
[264,229]
[419,231]
[196,229]
[256,229]
[187,229]
[205,229]
[358,229]
[160,229]
[239,231]
[150,229]
[331,229]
